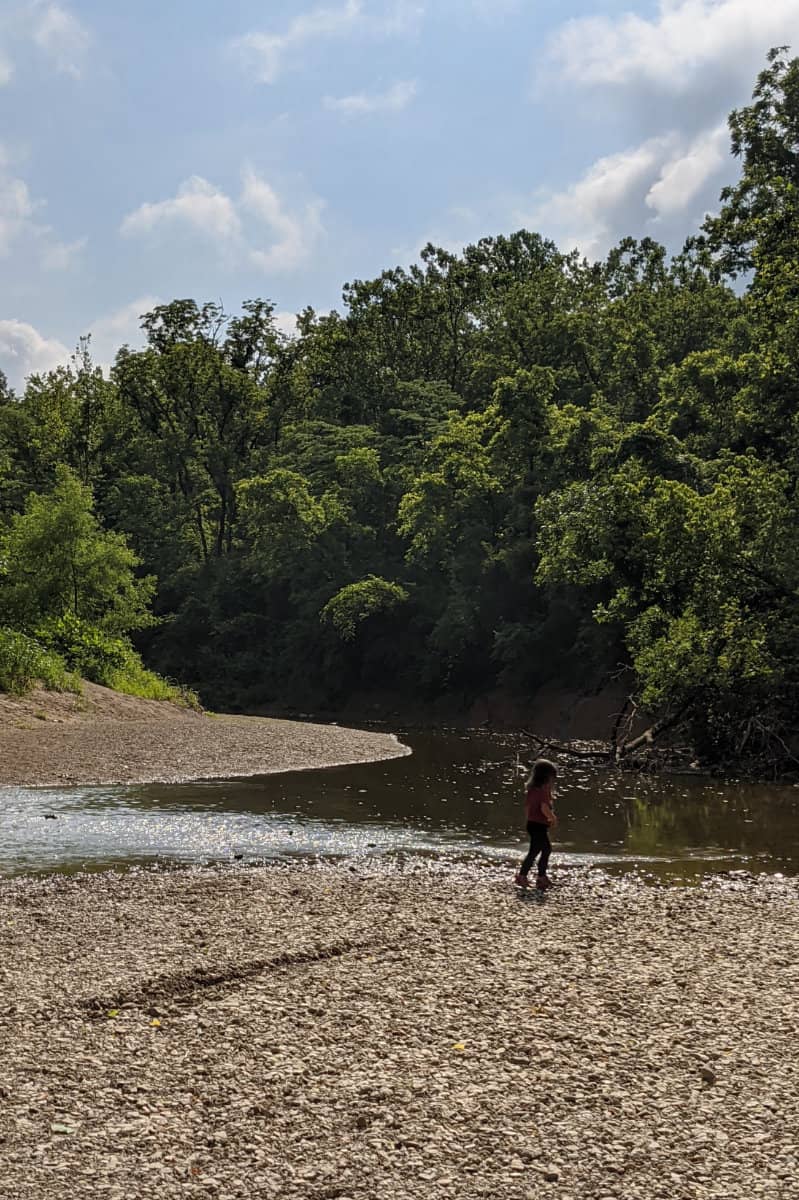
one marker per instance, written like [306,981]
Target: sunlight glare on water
[457,795]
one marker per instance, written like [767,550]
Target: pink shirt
[536,797]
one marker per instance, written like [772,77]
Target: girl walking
[540,810]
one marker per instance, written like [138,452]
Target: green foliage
[73,585]
[358,602]
[55,560]
[134,679]
[24,664]
[280,518]
[110,661]
[758,219]
[95,655]
[508,467]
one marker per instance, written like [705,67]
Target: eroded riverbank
[316,1032]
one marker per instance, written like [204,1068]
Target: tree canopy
[499,468]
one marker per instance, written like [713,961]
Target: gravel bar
[120,739]
[331,1032]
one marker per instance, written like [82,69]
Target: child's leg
[536,845]
[527,864]
[546,850]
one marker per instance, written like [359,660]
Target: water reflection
[458,794]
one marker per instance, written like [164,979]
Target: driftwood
[618,747]
[769,754]
[647,738]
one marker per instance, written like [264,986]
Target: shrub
[111,661]
[93,654]
[24,663]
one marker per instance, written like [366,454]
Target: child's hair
[541,772]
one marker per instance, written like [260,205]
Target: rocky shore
[102,737]
[328,1032]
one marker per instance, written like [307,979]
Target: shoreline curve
[106,739]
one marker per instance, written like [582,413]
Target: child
[540,819]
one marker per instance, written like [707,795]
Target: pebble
[309,1049]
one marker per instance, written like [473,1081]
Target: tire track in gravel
[184,987]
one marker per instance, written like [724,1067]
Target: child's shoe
[522,881]
[543,883]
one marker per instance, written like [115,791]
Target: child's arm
[549,814]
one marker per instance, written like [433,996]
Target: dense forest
[490,470]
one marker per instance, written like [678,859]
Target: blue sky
[153,150]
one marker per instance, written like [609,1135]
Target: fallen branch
[648,737]
[561,748]
[630,704]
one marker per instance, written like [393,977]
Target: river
[458,796]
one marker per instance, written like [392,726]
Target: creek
[459,795]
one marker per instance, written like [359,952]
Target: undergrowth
[64,650]
[134,679]
[25,663]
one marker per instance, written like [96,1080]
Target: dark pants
[539,844]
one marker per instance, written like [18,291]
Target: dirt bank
[104,738]
[315,1034]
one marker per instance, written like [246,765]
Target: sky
[151,150]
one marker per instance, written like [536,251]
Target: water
[458,795]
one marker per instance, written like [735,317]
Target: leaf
[459,1046]
[112,1012]
[155,1023]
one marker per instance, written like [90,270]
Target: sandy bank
[316,1033]
[105,738]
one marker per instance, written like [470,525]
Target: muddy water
[458,795]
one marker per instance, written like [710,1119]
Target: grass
[134,679]
[24,664]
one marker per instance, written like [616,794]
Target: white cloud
[61,256]
[671,49]
[669,78]
[19,227]
[52,28]
[23,352]
[236,225]
[61,37]
[197,204]
[584,214]
[266,54]
[16,211]
[286,322]
[684,177]
[658,187]
[295,234]
[396,98]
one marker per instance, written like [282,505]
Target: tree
[502,467]
[357,603]
[759,217]
[195,411]
[58,561]
[66,416]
